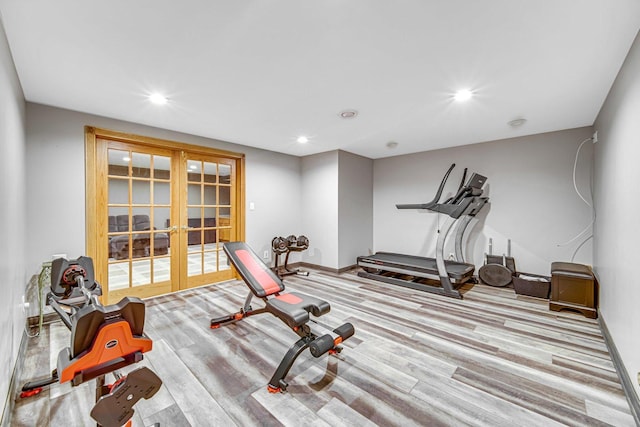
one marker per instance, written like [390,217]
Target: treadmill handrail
[462,181]
[433,202]
[457,205]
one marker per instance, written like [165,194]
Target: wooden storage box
[573,287]
[532,285]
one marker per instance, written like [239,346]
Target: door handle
[172,229]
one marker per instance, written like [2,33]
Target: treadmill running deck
[415,265]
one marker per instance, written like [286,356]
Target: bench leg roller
[321,345]
[345,331]
[326,343]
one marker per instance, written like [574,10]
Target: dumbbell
[292,240]
[279,245]
[302,241]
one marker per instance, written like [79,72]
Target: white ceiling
[263,72]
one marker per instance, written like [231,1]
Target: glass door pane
[139,217]
[209,222]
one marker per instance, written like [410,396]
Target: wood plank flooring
[492,359]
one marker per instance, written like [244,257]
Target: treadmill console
[476,181]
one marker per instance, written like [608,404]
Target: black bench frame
[292,308]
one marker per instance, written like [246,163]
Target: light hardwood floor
[492,359]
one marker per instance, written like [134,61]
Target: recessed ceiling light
[463,95]
[302,139]
[517,122]
[392,144]
[193,167]
[126,159]
[158,99]
[348,114]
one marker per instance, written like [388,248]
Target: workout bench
[292,308]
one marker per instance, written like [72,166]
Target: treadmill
[420,272]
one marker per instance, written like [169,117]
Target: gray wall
[532,200]
[320,208]
[55,155]
[336,208]
[13,277]
[274,185]
[617,232]
[355,207]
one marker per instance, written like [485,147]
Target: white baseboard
[627,383]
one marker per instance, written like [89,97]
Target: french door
[209,210]
[158,213]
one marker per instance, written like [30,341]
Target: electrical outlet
[451,256]
[25,306]
[595,137]
[265,255]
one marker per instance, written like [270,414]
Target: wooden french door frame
[97,225]
[202,210]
